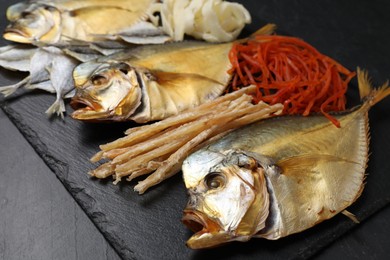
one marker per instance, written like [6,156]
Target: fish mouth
[195,221]
[87,110]
[16,35]
[208,233]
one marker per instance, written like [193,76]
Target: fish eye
[49,8]
[124,68]
[24,14]
[124,71]
[98,80]
[215,180]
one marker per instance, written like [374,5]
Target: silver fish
[279,176]
[50,69]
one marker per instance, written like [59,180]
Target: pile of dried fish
[156,85]
[140,22]
[80,32]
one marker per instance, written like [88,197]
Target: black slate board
[148,227]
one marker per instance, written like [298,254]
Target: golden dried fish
[62,21]
[279,176]
[150,82]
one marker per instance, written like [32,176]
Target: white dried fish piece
[61,69]
[16,57]
[82,53]
[209,20]
[50,69]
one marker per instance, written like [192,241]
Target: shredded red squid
[290,71]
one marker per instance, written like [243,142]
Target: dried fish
[279,176]
[71,25]
[49,69]
[136,21]
[150,82]
[65,21]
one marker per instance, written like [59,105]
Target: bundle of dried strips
[159,149]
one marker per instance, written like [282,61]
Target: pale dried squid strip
[159,149]
[210,20]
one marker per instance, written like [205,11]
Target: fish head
[105,91]
[228,197]
[33,23]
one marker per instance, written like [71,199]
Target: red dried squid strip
[290,71]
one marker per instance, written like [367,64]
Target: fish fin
[364,83]
[82,57]
[109,48]
[267,29]
[44,85]
[179,85]
[303,163]
[9,90]
[141,33]
[70,94]
[370,95]
[58,108]
[169,93]
[350,215]
[136,39]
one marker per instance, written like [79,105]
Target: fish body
[277,177]
[63,21]
[49,68]
[150,82]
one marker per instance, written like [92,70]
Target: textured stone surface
[148,226]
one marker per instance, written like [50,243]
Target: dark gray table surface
[39,219]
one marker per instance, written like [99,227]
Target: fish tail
[9,90]
[58,107]
[267,29]
[370,95]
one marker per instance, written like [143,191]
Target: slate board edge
[88,204]
[60,169]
